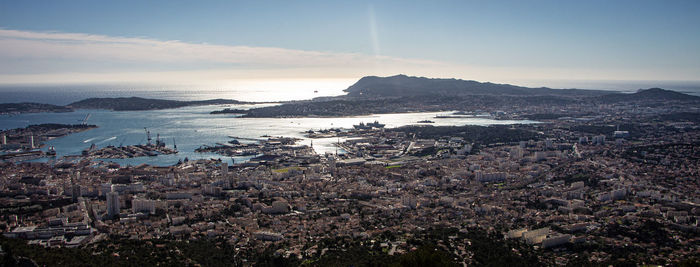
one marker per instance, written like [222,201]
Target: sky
[66,42]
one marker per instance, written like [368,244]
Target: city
[593,188]
[350,133]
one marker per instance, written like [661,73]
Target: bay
[192,127]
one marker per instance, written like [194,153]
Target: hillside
[653,94]
[400,93]
[402,85]
[31,108]
[137,103]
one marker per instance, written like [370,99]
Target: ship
[51,151]
[363,126]
[426,121]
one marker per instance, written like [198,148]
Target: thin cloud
[28,45]
[57,57]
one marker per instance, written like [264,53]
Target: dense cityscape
[378,133]
[616,187]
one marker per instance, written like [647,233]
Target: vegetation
[681,116]
[430,248]
[31,107]
[653,94]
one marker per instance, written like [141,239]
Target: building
[490,177]
[555,241]
[268,236]
[516,152]
[540,155]
[583,140]
[112,204]
[548,143]
[621,134]
[224,169]
[143,205]
[599,140]
[536,236]
[278,207]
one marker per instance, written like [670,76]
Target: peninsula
[138,103]
[400,94]
[26,107]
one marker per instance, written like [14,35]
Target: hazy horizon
[267,90]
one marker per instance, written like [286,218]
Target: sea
[193,127]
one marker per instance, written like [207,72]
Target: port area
[22,144]
[273,151]
[132,151]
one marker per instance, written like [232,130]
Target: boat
[426,121]
[363,126]
[51,151]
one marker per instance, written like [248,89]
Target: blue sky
[501,41]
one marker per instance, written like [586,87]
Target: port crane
[159,143]
[84,121]
[148,136]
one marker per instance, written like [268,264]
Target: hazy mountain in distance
[652,94]
[402,85]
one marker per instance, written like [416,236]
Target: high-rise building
[224,168]
[75,193]
[112,204]
[599,140]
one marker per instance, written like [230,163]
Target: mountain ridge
[403,85]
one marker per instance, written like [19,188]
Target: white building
[490,177]
[143,205]
[536,236]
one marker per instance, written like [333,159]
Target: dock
[247,138]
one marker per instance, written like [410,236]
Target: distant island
[116,104]
[401,93]
[16,108]
[137,103]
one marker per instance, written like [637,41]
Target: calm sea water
[192,127]
[66,94]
